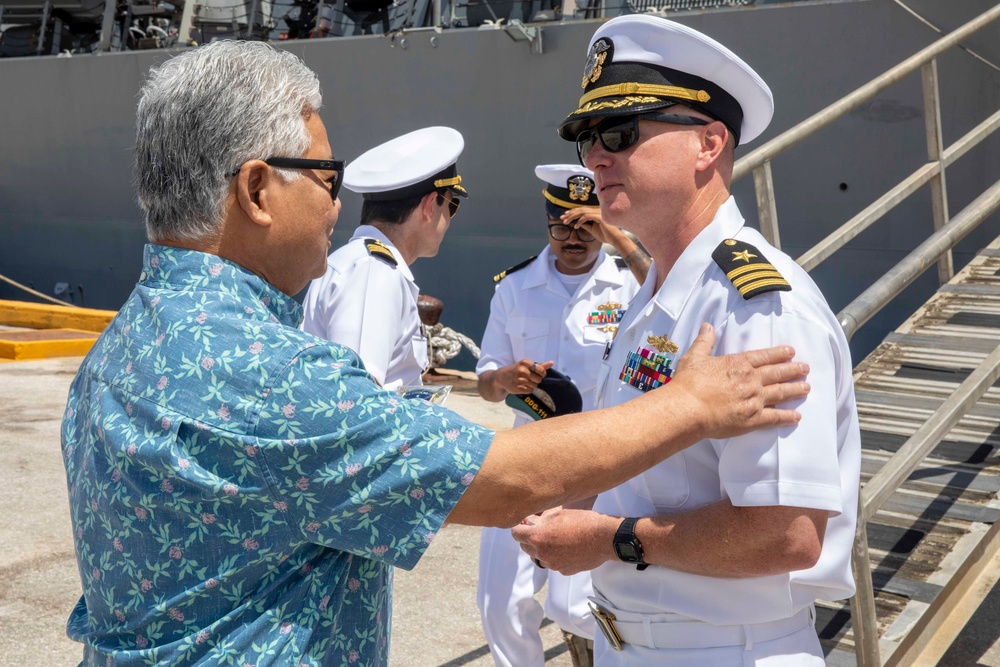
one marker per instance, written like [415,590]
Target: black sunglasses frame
[306,163]
[616,123]
[579,233]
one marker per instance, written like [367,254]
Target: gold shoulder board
[748,270]
[517,267]
[378,249]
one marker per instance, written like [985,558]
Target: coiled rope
[444,343]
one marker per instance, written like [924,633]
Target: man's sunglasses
[453,203]
[619,133]
[561,232]
[336,166]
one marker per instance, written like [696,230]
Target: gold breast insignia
[662,344]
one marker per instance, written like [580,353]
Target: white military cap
[412,165]
[566,186]
[640,63]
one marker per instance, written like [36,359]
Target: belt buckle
[606,622]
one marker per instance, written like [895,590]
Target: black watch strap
[625,540]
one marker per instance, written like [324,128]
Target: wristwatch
[627,545]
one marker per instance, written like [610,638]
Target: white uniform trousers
[511,617]
[801,648]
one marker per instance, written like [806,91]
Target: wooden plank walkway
[932,524]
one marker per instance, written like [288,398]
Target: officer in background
[716,555]
[367,299]
[559,309]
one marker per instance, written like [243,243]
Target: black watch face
[627,552]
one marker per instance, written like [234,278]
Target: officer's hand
[733,392]
[522,377]
[566,540]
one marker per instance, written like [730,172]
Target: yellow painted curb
[41,316]
[66,343]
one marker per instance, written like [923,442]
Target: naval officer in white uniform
[716,555]
[557,310]
[367,299]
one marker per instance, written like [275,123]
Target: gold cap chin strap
[447,182]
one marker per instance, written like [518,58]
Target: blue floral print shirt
[240,490]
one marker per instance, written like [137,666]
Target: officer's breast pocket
[528,336]
[594,343]
[665,485]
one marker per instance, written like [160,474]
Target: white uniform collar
[696,258]
[538,272]
[370,232]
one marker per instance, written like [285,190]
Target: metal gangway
[927,548]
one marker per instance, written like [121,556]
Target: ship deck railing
[927,398]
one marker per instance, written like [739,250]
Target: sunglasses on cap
[336,166]
[619,133]
[453,203]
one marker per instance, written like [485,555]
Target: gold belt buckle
[606,622]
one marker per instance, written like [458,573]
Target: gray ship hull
[68,212]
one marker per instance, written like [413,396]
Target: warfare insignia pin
[647,369]
[662,344]
[599,52]
[580,188]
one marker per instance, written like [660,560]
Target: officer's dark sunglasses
[619,133]
[336,166]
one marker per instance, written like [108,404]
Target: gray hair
[202,115]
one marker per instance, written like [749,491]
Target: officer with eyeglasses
[717,555]
[556,310]
[367,299]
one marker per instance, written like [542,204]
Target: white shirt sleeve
[496,350]
[795,466]
[365,313]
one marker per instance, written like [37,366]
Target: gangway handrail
[936,248]
[849,103]
[869,302]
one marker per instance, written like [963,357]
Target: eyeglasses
[453,203]
[619,133]
[561,232]
[336,166]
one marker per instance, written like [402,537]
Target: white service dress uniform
[369,304]
[534,316]
[814,464]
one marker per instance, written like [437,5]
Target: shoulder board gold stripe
[620,89]
[761,283]
[749,267]
[750,277]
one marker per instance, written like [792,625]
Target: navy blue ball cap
[555,395]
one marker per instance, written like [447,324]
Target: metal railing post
[45,24]
[863,617]
[107,25]
[767,211]
[935,150]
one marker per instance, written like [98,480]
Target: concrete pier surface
[435,621]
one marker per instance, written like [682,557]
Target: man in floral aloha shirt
[240,490]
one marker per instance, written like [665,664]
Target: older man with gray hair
[240,490]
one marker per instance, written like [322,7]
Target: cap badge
[595,60]
[580,188]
